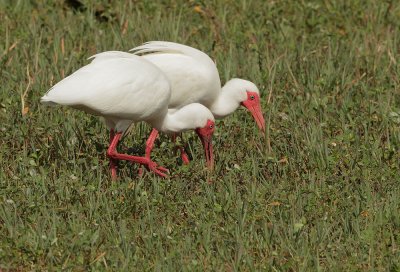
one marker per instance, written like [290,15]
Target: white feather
[124,88]
[192,74]
[114,86]
[194,77]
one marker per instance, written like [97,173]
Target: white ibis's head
[248,95]
[198,117]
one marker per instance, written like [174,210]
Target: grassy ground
[319,192]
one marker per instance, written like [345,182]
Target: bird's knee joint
[111,154]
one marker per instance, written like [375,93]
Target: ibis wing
[192,74]
[129,88]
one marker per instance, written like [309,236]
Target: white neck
[226,103]
[170,124]
[158,121]
[166,123]
[188,117]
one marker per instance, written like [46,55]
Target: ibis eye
[252,97]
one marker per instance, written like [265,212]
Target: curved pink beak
[208,150]
[258,116]
[253,105]
[205,135]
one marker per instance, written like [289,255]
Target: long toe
[161,174]
[159,170]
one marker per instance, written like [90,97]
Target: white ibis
[124,88]
[194,78]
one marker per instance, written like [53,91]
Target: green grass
[320,192]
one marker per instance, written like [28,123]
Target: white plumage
[194,78]
[124,88]
[116,85]
[192,74]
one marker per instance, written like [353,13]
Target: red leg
[149,147]
[150,142]
[112,153]
[113,163]
[184,155]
